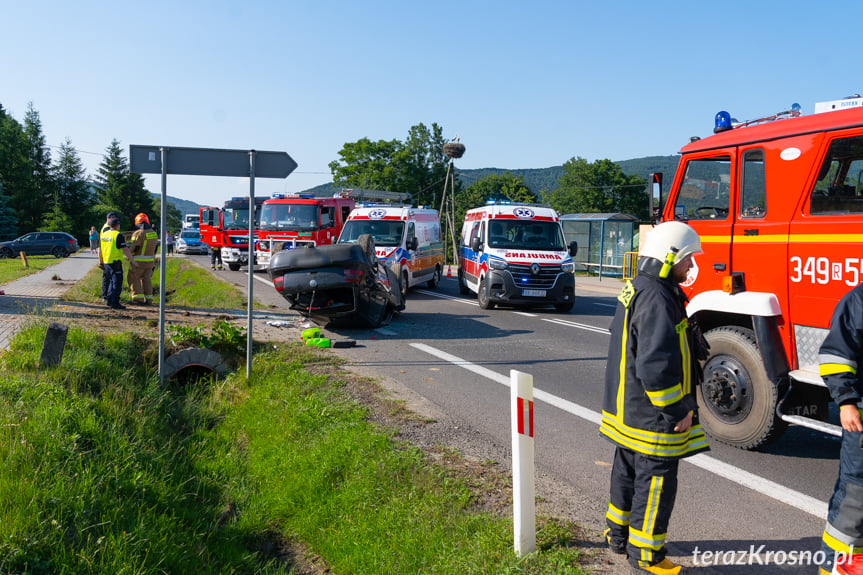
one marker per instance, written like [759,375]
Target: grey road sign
[210,162]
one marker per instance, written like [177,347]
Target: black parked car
[344,282]
[58,244]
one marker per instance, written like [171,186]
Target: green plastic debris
[318,342]
[310,333]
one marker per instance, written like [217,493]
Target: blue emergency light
[722,122]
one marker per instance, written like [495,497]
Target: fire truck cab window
[705,191]
[839,187]
[753,194]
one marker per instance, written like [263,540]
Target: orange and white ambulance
[516,254]
[405,237]
[778,204]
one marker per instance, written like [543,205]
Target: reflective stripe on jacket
[840,354]
[145,241]
[649,378]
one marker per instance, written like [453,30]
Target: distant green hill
[185,206]
[539,179]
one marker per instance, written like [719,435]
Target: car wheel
[404,287]
[5,253]
[432,283]
[234,267]
[482,295]
[59,252]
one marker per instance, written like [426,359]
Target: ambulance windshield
[525,234]
[385,233]
[291,217]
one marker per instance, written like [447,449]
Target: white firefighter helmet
[674,238]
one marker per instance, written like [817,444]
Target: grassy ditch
[103,471]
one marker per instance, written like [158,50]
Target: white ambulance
[516,254]
[404,235]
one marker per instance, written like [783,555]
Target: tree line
[41,193]
[418,166]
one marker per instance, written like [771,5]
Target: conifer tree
[8,221]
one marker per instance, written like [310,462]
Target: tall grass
[103,471]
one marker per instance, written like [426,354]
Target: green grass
[103,471]
[189,286]
[12,269]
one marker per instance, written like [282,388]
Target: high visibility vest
[110,253]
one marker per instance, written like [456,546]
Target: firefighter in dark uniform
[840,359]
[113,247]
[649,405]
[215,257]
[143,245]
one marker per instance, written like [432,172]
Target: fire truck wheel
[234,267]
[432,283]
[737,402]
[462,287]
[482,296]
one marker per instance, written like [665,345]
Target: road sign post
[523,499]
[208,162]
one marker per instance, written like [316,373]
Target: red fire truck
[228,229]
[289,221]
[778,203]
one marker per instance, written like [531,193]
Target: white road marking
[584,326]
[268,282]
[764,486]
[446,296]
[524,313]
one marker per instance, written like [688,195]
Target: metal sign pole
[162,265]
[251,262]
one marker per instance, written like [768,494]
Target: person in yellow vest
[143,245]
[105,228]
[113,248]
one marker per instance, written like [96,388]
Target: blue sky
[524,84]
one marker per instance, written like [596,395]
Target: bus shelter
[603,240]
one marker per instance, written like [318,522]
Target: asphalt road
[458,356]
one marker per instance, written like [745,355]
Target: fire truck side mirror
[655,196]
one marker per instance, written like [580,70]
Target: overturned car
[343,282]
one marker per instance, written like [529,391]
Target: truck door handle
[753,232]
[719,267]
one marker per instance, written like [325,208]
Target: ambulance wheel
[737,402]
[234,267]
[404,286]
[432,283]
[482,295]
[462,287]
[564,307]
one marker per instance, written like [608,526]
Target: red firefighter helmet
[142,217]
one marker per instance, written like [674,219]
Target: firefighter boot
[664,567]
[618,547]
[220,267]
[212,267]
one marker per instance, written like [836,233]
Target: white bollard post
[523,500]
